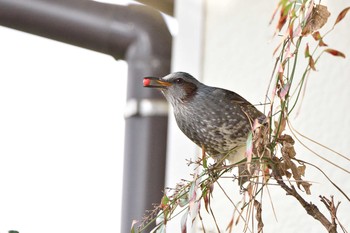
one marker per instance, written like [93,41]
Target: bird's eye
[179,81]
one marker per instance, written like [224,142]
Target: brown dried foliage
[317,19]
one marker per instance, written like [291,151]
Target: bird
[216,119]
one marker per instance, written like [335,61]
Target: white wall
[61,136]
[187,56]
[237,55]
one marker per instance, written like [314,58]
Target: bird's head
[179,87]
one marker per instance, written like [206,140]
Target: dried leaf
[133,226]
[194,205]
[316,20]
[307,50]
[183,200]
[288,53]
[286,138]
[249,147]
[206,198]
[284,91]
[195,210]
[273,93]
[164,201]
[306,187]
[288,153]
[288,174]
[249,190]
[282,20]
[290,31]
[192,193]
[312,63]
[288,150]
[298,30]
[321,43]
[230,225]
[284,166]
[258,215]
[164,206]
[184,222]
[317,36]
[301,170]
[281,127]
[266,173]
[335,53]
[283,169]
[341,15]
[204,157]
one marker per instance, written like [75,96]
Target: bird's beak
[155,82]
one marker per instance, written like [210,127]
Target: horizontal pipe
[88,24]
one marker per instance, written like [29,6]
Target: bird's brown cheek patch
[190,90]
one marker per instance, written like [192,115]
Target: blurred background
[63,110]
[61,140]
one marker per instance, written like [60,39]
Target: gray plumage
[214,118]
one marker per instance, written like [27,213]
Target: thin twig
[318,155]
[216,223]
[310,208]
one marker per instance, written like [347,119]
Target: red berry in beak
[146,82]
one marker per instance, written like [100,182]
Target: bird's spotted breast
[219,130]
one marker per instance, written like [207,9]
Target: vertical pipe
[145,135]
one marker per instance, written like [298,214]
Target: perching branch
[310,208]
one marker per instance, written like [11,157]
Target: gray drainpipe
[137,34]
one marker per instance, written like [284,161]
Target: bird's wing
[247,108]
